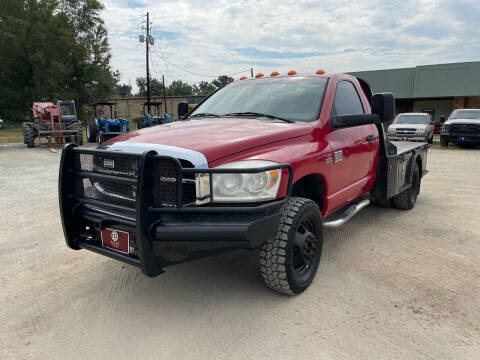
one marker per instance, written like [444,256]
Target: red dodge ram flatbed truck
[263,164]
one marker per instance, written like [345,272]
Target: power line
[194,73]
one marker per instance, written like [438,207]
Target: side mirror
[383,111]
[383,105]
[346,121]
[443,118]
[182,109]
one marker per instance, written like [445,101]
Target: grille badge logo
[109,163]
[115,242]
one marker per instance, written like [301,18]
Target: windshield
[67,109]
[465,114]
[295,98]
[410,119]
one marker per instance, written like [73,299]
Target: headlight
[244,187]
[421,131]
[391,131]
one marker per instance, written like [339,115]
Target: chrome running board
[347,214]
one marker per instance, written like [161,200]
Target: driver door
[354,149]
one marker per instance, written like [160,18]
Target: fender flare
[411,166]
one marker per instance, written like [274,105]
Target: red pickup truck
[262,163]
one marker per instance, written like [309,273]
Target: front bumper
[421,138]
[463,138]
[162,236]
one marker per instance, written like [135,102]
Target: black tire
[386,203]
[289,262]
[140,123]
[430,140]
[443,141]
[80,139]
[28,136]
[24,126]
[406,200]
[92,131]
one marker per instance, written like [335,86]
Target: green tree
[156,87]
[203,88]
[179,88]
[123,90]
[222,80]
[52,49]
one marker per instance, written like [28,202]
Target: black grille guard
[144,217]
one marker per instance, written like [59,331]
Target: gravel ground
[391,284]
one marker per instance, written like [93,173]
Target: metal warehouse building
[436,89]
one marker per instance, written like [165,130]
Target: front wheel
[28,135]
[443,141]
[289,262]
[92,131]
[406,200]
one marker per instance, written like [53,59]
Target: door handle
[370,138]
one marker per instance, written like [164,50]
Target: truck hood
[462,121]
[214,138]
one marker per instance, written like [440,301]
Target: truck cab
[262,163]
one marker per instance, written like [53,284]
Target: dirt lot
[391,284]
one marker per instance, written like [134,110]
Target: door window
[346,100]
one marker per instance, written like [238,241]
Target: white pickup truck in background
[412,127]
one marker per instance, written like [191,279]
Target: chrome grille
[110,191]
[166,184]
[121,188]
[405,131]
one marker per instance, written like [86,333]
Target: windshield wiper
[249,113]
[204,115]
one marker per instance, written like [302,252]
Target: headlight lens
[246,187]
[421,131]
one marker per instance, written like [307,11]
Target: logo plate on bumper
[116,240]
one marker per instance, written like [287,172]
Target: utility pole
[164,93]
[149,40]
[147,43]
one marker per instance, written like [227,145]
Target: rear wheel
[28,135]
[80,138]
[443,141]
[406,200]
[289,262]
[92,131]
[140,123]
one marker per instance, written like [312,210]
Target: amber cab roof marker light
[243,78]
[292,72]
[275,73]
[259,75]
[320,72]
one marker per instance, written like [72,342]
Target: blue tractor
[102,129]
[152,120]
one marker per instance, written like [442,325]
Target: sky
[198,40]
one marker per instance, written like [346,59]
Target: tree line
[59,49]
[176,88]
[52,49]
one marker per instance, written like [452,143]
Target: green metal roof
[429,81]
